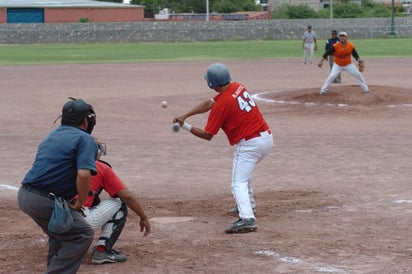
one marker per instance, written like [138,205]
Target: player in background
[329,44]
[309,44]
[235,112]
[343,52]
[110,214]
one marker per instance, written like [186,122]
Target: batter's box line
[317,267]
[9,187]
[293,260]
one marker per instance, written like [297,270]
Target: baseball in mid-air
[164,104]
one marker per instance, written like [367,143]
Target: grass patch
[188,51]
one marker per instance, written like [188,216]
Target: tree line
[341,9]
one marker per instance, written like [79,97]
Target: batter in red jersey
[235,112]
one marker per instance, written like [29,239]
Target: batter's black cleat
[242,226]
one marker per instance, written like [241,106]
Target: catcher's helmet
[217,75]
[75,111]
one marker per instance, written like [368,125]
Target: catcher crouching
[110,214]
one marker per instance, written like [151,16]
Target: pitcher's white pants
[351,69]
[245,157]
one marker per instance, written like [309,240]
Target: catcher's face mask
[101,148]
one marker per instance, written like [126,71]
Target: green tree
[301,11]
[228,6]
[350,10]
[380,11]
[196,6]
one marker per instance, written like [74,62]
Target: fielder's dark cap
[309,26]
[334,32]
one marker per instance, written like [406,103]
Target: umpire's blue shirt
[59,156]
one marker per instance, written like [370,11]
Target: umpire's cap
[75,111]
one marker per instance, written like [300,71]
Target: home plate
[171,220]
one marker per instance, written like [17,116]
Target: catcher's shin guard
[114,227]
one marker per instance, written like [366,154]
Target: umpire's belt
[37,191]
[257,134]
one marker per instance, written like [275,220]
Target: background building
[67,11]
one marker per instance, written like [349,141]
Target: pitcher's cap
[342,33]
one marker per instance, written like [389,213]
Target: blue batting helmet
[217,75]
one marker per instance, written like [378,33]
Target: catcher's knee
[118,222]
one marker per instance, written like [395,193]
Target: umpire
[64,164]
[329,44]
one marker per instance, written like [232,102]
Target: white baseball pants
[99,216]
[245,158]
[308,48]
[351,69]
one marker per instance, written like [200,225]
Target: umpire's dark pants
[66,251]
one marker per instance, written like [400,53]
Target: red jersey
[104,179]
[236,113]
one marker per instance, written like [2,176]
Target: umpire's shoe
[242,226]
[107,257]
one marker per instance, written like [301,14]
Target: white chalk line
[293,260]
[9,187]
[260,97]
[403,201]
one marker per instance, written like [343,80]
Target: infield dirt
[334,195]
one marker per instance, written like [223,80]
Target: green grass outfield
[187,51]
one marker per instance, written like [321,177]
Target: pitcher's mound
[344,95]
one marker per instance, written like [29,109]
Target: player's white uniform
[247,154]
[309,39]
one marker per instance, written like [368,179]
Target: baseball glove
[361,65]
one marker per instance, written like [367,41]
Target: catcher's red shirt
[236,113]
[104,179]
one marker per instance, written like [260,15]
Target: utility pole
[393,19]
[207,10]
[331,9]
